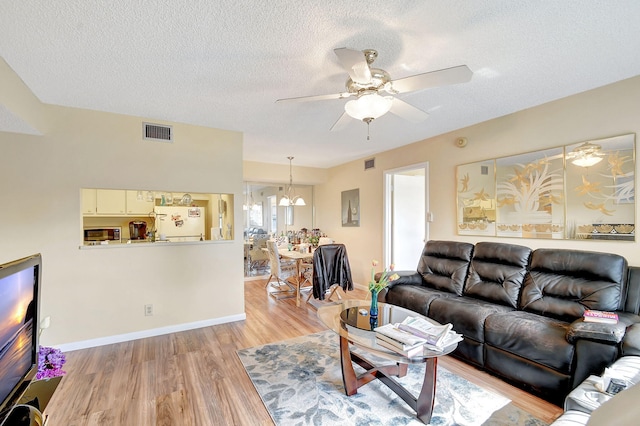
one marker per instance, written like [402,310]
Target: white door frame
[388,196]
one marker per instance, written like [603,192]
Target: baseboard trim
[361,287]
[91,343]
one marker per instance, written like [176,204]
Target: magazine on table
[401,338]
[434,334]
[451,338]
[397,343]
[409,353]
[416,332]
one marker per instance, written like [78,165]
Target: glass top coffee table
[350,320]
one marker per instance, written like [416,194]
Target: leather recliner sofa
[521,310]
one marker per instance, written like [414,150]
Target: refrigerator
[178,223]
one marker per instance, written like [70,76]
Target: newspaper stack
[414,334]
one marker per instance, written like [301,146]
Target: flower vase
[373,310]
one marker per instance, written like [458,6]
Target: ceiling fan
[365,84]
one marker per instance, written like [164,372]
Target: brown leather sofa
[520,310]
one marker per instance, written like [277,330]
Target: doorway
[272,208]
[406,201]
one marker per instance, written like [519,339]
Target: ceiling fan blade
[408,112]
[355,63]
[444,77]
[316,97]
[341,123]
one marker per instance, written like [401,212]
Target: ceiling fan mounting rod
[370,55]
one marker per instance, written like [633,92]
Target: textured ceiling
[223,63]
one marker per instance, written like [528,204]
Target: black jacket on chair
[330,266]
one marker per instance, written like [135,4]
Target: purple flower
[50,362]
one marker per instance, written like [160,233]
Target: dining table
[299,257]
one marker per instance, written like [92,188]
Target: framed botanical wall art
[601,189]
[584,190]
[476,201]
[530,195]
[351,207]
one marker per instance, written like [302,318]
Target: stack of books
[591,315]
[413,335]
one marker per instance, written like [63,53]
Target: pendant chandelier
[290,198]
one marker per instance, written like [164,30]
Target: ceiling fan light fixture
[368,106]
[586,155]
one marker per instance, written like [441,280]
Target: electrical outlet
[148,310]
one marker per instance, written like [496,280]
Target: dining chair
[259,258]
[331,271]
[280,269]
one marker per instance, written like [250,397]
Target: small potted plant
[50,362]
[314,240]
[50,372]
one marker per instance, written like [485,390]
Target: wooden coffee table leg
[349,378]
[424,403]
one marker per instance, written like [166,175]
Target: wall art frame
[584,190]
[350,202]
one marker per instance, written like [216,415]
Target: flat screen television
[19,319]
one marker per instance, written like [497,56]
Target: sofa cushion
[497,272]
[466,315]
[413,297]
[533,337]
[563,283]
[444,265]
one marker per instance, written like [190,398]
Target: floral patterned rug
[300,383]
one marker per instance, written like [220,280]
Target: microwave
[111,234]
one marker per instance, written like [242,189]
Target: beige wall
[279,173]
[98,293]
[19,105]
[607,111]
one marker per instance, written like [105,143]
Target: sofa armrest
[598,332]
[404,277]
[407,277]
[631,345]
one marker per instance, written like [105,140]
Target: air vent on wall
[370,163]
[157,132]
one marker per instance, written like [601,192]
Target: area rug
[300,383]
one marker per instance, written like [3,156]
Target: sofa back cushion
[497,272]
[632,290]
[563,283]
[444,265]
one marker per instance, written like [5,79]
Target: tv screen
[19,291]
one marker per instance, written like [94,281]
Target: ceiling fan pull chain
[368,123]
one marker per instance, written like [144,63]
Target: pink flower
[50,362]
[384,279]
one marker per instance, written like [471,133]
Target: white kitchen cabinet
[177,196]
[88,201]
[110,201]
[138,207]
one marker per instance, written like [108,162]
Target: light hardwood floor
[195,378]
